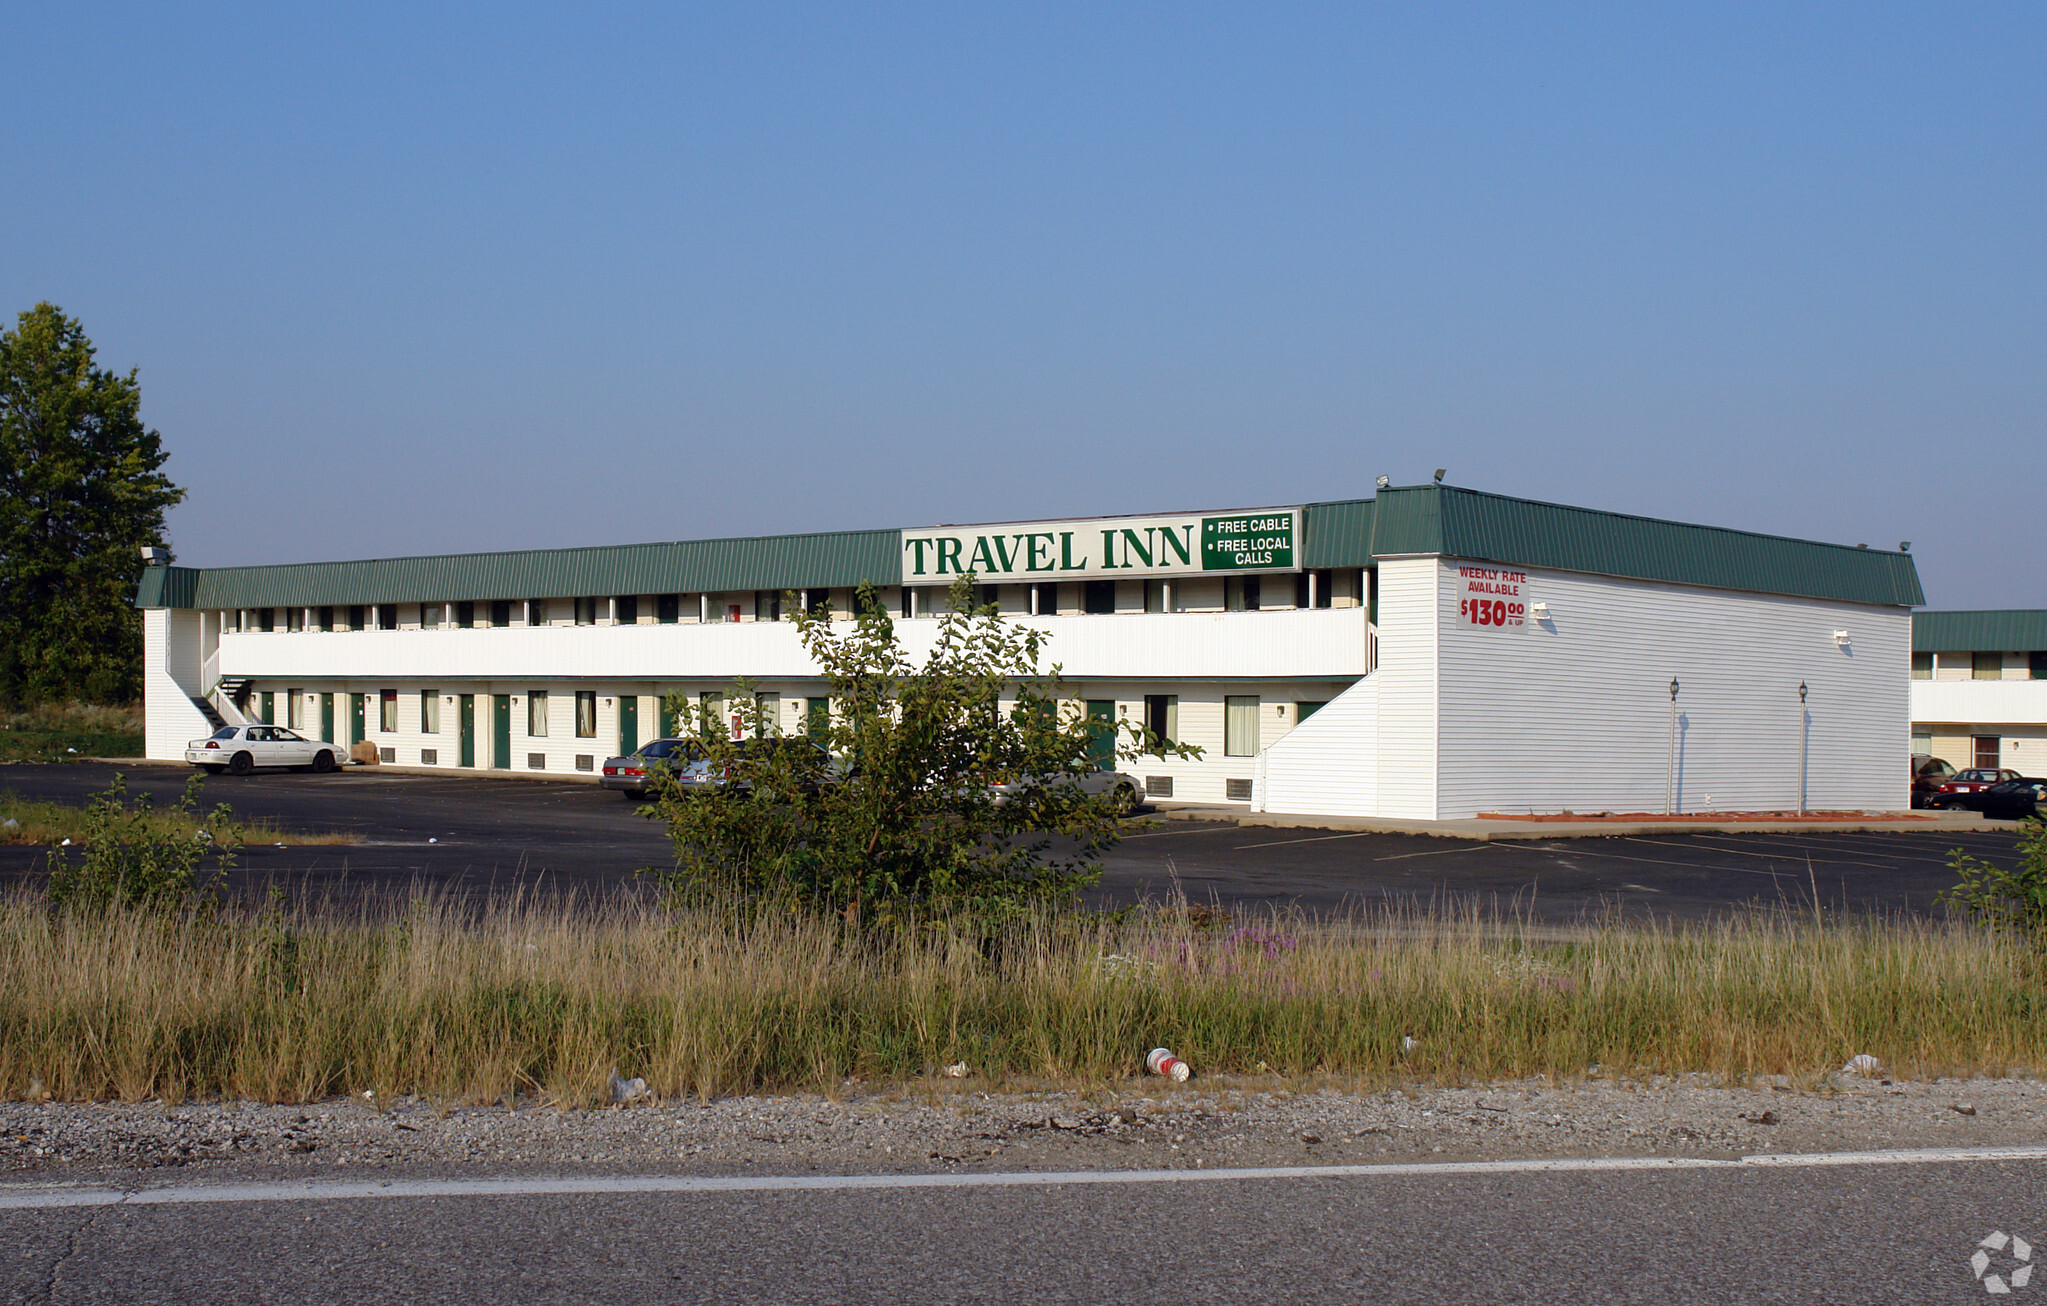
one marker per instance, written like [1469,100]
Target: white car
[239,750]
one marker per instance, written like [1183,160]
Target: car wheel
[240,764]
[323,762]
[1123,799]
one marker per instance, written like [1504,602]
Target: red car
[1962,790]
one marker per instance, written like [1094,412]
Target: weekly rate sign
[1260,539]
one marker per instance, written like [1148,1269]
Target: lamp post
[1803,735]
[1670,766]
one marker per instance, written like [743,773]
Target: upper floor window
[586,612]
[356,620]
[628,606]
[668,609]
[1240,593]
[501,613]
[1099,598]
[1986,666]
[465,615]
[327,618]
[1922,666]
[2036,663]
[387,616]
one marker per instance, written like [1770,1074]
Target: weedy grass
[469,1003]
[68,731]
[50,824]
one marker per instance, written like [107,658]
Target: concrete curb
[1477,831]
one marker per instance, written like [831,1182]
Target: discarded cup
[1862,1064]
[627,1090]
[958,1070]
[1162,1062]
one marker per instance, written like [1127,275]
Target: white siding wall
[1574,714]
[1408,689]
[170,676]
[1329,764]
[1322,644]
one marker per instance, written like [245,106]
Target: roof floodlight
[1439,474]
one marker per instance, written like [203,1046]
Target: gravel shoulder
[957,1127]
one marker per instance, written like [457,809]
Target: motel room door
[501,731]
[469,730]
[628,724]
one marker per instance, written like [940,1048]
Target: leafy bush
[130,858]
[2012,900]
[958,779]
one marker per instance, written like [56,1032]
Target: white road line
[1160,834]
[1320,838]
[1441,852]
[328,1190]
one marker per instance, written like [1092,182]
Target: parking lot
[488,834]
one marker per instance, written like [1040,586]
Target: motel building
[1429,653]
[1979,689]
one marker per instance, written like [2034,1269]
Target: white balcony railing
[1979,702]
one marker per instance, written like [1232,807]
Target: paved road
[1869,1232]
[502,832]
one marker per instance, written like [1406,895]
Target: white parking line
[330,1190]
[1319,838]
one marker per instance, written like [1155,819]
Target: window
[1098,598]
[429,712]
[1240,593]
[1922,743]
[387,715]
[628,609]
[668,609]
[266,619]
[586,612]
[711,708]
[767,605]
[769,707]
[990,595]
[1922,667]
[536,612]
[909,602]
[387,616]
[1986,666]
[1240,725]
[586,714]
[355,618]
[465,615]
[501,613]
[294,715]
[1987,752]
[1046,594]
[2036,663]
[1162,716]
[294,619]
[536,713]
[1325,588]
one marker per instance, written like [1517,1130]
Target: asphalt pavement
[486,834]
[1891,1230]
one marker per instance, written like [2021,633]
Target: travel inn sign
[1258,539]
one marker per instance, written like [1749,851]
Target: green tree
[959,780]
[80,494]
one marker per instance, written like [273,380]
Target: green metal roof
[1461,523]
[820,561]
[1337,534]
[1991,630]
[1421,519]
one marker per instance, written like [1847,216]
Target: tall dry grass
[470,1004]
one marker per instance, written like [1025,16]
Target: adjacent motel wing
[1979,688]
[1429,653]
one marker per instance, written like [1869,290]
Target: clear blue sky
[404,280]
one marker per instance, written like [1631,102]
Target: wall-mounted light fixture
[1840,639]
[1540,611]
[1279,709]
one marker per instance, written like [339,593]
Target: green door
[501,731]
[817,718]
[327,718]
[469,730]
[668,715]
[356,733]
[269,707]
[628,724]
[1101,720]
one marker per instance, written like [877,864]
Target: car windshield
[675,748]
[226,732]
